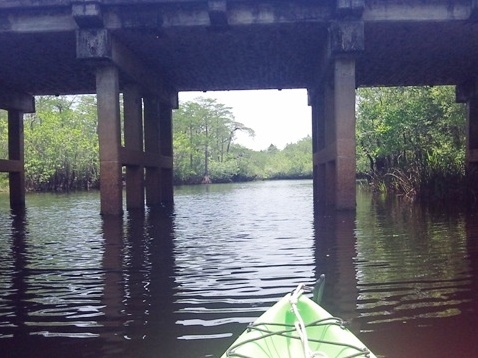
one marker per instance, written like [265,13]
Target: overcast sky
[277,117]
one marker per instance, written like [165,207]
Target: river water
[185,283]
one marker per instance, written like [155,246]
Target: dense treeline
[61,146]
[205,149]
[411,141]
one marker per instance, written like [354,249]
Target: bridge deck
[266,44]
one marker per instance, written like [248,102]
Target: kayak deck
[297,327]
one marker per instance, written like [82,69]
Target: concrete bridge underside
[151,49]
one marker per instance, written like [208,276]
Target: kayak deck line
[297,327]
[285,333]
[291,329]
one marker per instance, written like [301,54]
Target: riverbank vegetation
[61,146]
[410,142]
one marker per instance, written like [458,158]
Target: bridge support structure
[16,104]
[468,93]
[147,151]
[333,119]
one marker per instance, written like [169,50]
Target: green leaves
[61,144]
[204,135]
[204,132]
[410,134]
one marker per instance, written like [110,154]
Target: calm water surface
[185,283]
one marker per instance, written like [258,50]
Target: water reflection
[427,278]
[415,279]
[335,253]
[184,283]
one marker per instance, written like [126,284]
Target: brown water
[185,283]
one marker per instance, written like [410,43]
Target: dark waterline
[185,283]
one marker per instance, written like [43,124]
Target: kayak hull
[280,333]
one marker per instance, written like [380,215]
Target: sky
[277,117]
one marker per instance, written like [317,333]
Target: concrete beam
[466,91]
[148,160]
[87,14]
[98,45]
[56,15]
[11,99]
[474,10]
[129,63]
[94,44]
[350,8]
[11,166]
[399,10]
[346,37]
[217,13]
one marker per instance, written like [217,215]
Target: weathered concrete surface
[329,47]
[16,155]
[265,44]
[133,141]
[110,140]
[468,93]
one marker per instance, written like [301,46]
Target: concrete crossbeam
[98,45]
[10,166]
[11,99]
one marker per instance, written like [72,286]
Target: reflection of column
[334,255]
[163,286]
[107,88]
[113,292]
[150,284]
[471,227]
[19,284]
[137,278]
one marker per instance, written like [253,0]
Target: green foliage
[61,144]
[204,133]
[62,153]
[204,148]
[411,138]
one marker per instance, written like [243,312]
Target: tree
[410,136]
[204,131]
[61,144]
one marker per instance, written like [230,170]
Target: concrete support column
[109,133]
[152,150]
[133,142]
[333,136]
[333,118]
[166,150]
[468,93]
[472,134]
[16,155]
[344,168]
